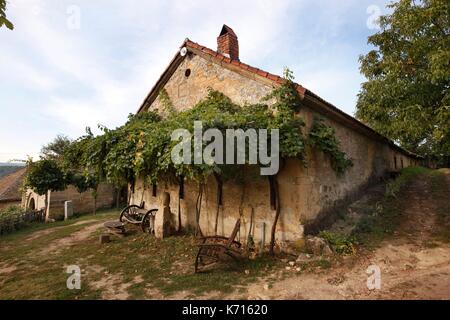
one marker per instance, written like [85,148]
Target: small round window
[187,73]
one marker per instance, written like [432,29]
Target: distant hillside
[12,164]
[7,168]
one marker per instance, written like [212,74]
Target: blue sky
[72,64]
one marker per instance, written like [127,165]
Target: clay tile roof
[10,186]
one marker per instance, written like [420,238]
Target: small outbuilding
[10,188]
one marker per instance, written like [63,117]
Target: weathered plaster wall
[305,192]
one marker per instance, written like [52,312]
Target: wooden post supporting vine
[198,207]
[180,195]
[277,214]
[179,214]
[219,200]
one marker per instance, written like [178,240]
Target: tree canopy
[406,95]
[44,175]
[54,150]
[3,20]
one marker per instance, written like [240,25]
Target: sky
[72,64]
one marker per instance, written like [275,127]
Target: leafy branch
[324,139]
[3,20]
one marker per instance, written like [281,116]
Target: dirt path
[45,232]
[410,267]
[75,237]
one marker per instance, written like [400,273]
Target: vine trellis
[142,146]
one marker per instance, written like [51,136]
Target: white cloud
[75,58]
[27,74]
[103,71]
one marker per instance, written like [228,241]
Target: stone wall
[185,92]
[30,197]
[82,202]
[306,193]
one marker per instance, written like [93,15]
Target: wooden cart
[214,249]
[137,215]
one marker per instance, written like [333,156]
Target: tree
[43,176]
[3,19]
[55,150]
[406,96]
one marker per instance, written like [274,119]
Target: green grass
[387,213]
[163,265]
[440,191]
[380,217]
[324,264]
[390,211]
[40,276]
[407,174]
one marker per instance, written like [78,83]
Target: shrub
[11,211]
[11,219]
[341,243]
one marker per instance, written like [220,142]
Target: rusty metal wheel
[130,214]
[148,222]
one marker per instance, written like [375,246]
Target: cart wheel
[148,222]
[129,213]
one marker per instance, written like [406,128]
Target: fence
[17,221]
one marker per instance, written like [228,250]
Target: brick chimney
[227,43]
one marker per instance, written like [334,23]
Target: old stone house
[308,194]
